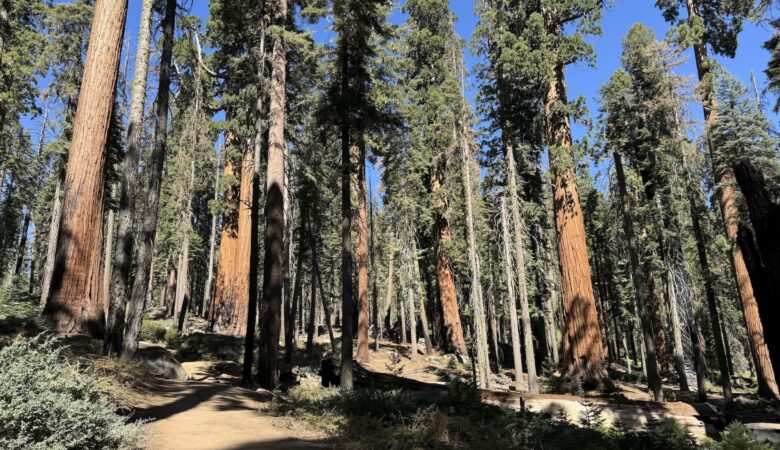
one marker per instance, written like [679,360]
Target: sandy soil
[209,414]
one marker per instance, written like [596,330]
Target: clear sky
[581,79]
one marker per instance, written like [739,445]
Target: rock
[765,431]
[160,362]
[264,395]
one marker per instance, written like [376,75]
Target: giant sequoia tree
[75,301]
[553,37]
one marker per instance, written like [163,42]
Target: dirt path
[203,414]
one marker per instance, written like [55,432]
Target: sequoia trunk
[75,302]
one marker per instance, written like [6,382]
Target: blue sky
[581,79]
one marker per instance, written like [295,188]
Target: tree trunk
[640,284]
[169,292]
[388,295]
[291,307]
[421,294]
[478,305]
[583,353]
[148,228]
[709,287]
[452,340]
[511,298]
[183,288]
[727,197]
[762,251]
[273,263]
[412,322]
[325,307]
[374,282]
[120,273]
[208,288]
[108,250]
[517,221]
[75,301]
[361,226]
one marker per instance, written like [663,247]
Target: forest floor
[209,413]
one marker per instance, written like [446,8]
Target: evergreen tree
[712,24]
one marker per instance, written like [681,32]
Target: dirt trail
[204,414]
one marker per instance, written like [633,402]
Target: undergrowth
[47,403]
[394,419]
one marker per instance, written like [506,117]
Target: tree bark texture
[231,295]
[762,252]
[75,300]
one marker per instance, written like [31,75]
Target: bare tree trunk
[208,289]
[108,250]
[273,265]
[640,284]
[478,305]
[517,221]
[513,325]
[374,272]
[148,228]
[361,225]
[312,309]
[325,307]
[75,300]
[762,250]
[583,352]
[402,317]
[388,296]
[727,197]
[120,273]
[412,322]
[421,295]
[169,292]
[292,306]
[183,282]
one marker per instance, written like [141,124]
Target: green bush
[736,436]
[47,404]
[153,331]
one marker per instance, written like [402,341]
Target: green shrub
[153,331]
[46,404]
[736,436]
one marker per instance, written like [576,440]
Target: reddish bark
[75,299]
[583,351]
[231,296]
[452,331]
